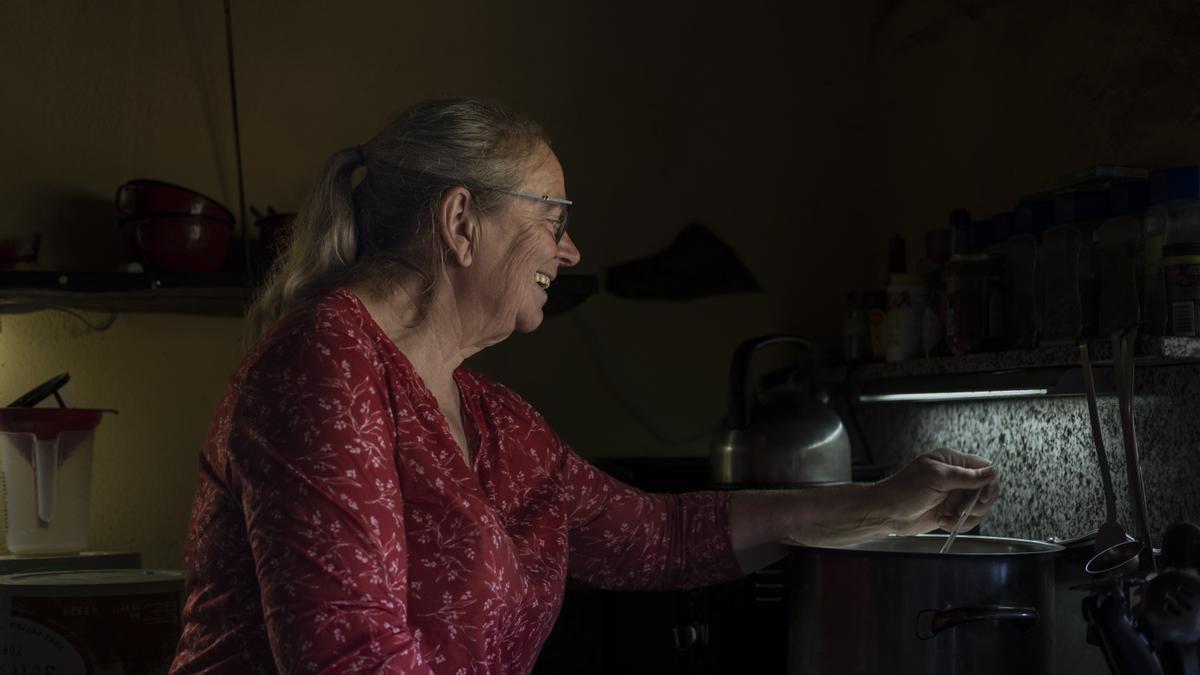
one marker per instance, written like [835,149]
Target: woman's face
[519,257]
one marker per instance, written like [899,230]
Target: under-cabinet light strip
[950,395]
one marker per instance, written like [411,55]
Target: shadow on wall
[78,230]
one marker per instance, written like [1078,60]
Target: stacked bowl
[173,229]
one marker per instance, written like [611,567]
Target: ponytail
[323,245]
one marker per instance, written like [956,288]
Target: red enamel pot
[144,197]
[179,244]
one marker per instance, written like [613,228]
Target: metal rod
[1125,394]
[237,141]
[1110,500]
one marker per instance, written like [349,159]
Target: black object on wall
[697,264]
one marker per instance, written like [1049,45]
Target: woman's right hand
[933,490]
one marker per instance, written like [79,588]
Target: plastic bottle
[933,327]
[876,303]
[856,331]
[1181,262]
[1065,263]
[1118,257]
[1000,301]
[1020,254]
[1173,217]
[905,310]
[974,292]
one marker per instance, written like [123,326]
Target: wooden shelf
[203,294]
[1052,370]
[1151,350]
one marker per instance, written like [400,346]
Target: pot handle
[930,622]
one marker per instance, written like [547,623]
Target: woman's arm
[928,493]
[622,538]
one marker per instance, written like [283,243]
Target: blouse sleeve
[623,538]
[311,461]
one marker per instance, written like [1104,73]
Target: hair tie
[362,156]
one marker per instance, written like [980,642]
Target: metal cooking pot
[897,605]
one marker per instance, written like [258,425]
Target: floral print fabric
[338,528]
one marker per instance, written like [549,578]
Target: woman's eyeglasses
[561,227]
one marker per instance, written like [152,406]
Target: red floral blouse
[337,527]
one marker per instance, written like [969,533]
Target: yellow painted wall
[804,134]
[163,375]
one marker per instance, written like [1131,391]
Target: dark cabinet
[740,626]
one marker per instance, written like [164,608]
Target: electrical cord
[29,308]
[852,414]
[595,352]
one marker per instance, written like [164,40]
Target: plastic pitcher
[46,455]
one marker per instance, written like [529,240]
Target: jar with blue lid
[1173,218]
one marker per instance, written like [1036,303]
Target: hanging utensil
[1123,354]
[1110,533]
[961,521]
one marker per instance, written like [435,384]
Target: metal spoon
[1110,533]
[961,520]
[1124,344]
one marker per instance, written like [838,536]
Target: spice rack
[1050,370]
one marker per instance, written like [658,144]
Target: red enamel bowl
[145,197]
[179,244]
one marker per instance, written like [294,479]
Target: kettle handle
[741,378]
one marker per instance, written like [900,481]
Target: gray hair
[384,229]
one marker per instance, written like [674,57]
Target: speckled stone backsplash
[1050,477]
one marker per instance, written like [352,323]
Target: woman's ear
[458,225]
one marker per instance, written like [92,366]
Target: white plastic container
[906,299]
[46,455]
[95,621]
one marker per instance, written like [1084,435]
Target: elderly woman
[368,504]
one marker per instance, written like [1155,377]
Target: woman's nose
[568,255]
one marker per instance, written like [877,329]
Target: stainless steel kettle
[785,438]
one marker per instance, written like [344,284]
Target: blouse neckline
[468,398]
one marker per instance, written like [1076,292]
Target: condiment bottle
[1020,255]
[1065,264]
[1119,259]
[1181,262]
[1000,332]
[856,331]
[974,292]
[1173,217]
[933,327]
[905,311]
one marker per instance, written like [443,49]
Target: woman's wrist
[844,514]
[822,516]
